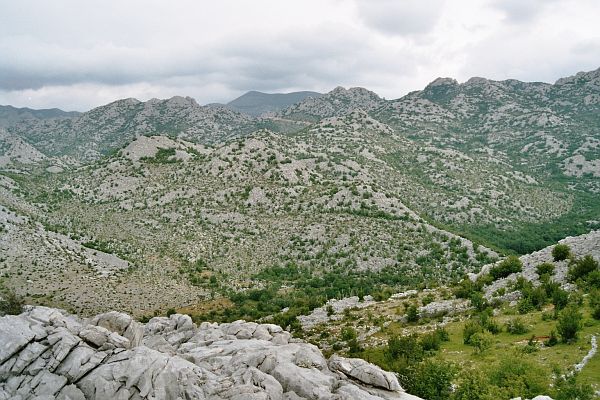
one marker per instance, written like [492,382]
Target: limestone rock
[365,372]
[47,354]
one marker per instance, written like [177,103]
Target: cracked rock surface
[47,353]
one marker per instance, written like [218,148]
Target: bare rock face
[47,353]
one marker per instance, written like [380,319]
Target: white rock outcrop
[46,353]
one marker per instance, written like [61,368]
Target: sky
[77,55]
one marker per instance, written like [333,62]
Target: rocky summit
[47,353]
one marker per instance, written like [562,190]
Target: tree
[569,323]
[561,252]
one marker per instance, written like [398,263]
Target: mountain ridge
[257,103]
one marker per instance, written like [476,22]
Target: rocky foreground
[46,353]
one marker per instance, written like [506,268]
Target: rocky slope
[46,353]
[323,200]
[338,102]
[546,127]
[587,244]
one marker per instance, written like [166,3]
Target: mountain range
[142,206]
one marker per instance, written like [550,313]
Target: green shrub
[525,305]
[482,341]
[354,347]
[430,341]
[569,323]
[442,334]
[569,389]
[582,267]
[560,298]
[517,377]
[430,379]
[406,348]
[348,333]
[412,315]
[171,311]
[478,301]
[510,265]
[471,328]
[593,279]
[552,340]
[473,384]
[429,298]
[10,303]
[561,252]
[545,269]
[516,327]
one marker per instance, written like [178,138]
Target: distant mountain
[257,103]
[110,127]
[10,115]
[338,102]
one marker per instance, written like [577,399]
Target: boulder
[365,372]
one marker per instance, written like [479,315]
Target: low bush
[510,265]
[561,252]
[569,324]
[516,327]
[545,269]
[10,303]
[582,267]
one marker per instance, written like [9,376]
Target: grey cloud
[521,11]
[405,17]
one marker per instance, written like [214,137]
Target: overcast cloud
[77,55]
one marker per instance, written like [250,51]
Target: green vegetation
[162,156]
[569,324]
[583,268]
[506,267]
[545,269]
[561,252]
[10,303]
